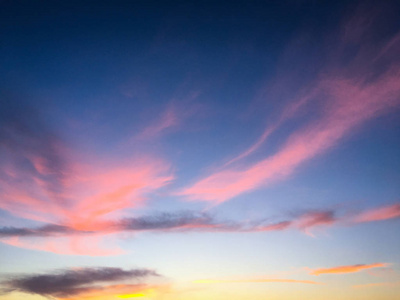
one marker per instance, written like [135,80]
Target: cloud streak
[200,221]
[176,222]
[262,280]
[342,98]
[96,238]
[347,269]
[379,214]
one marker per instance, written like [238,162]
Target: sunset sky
[195,150]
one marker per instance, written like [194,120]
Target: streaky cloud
[379,214]
[347,269]
[46,230]
[65,239]
[256,280]
[345,95]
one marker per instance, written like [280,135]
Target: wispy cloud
[379,214]
[107,190]
[176,222]
[39,180]
[47,230]
[188,219]
[67,238]
[347,269]
[288,113]
[168,119]
[43,181]
[345,95]
[255,280]
[33,160]
[172,118]
[94,196]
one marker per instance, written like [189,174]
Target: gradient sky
[199,150]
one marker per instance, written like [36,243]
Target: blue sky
[199,150]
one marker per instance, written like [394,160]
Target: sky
[199,150]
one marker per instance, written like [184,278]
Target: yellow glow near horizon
[138,295]
[145,293]
[259,280]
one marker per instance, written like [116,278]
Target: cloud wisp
[347,269]
[81,282]
[42,180]
[256,280]
[177,222]
[33,159]
[60,238]
[344,96]
[379,214]
[39,180]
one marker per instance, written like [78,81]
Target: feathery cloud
[259,280]
[347,269]
[345,95]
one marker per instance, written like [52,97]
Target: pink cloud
[94,245]
[288,113]
[379,214]
[101,192]
[314,219]
[176,113]
[345,102]
[91,193]
[92,196]
[79,238]
[168,119]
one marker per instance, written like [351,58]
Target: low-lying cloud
[72,282]
[187,221]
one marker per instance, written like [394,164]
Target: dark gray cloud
[173,221]
[46,230]
[187,221]
[164,222]
[180,222]
[70,282]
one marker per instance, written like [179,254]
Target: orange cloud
[347,269]
[262,280]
